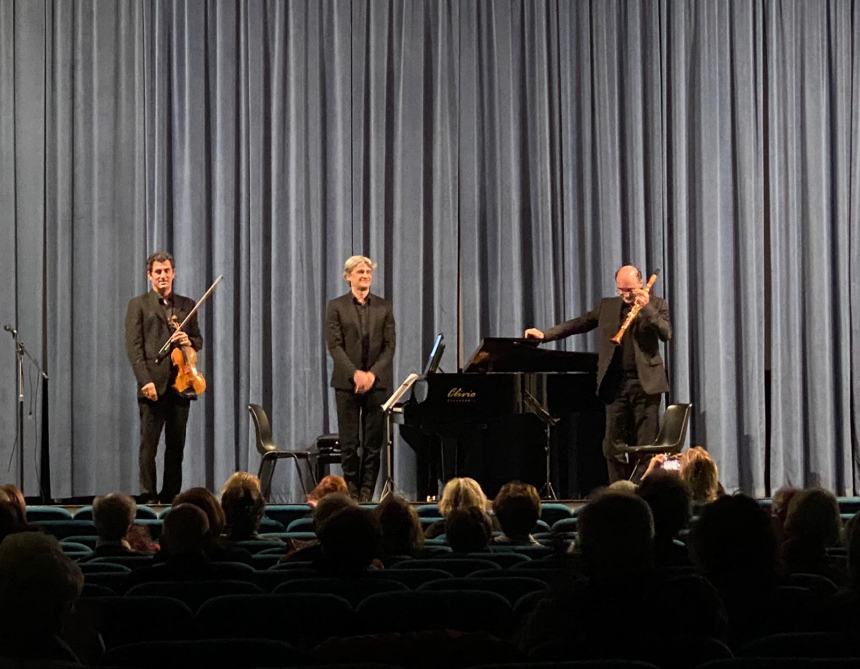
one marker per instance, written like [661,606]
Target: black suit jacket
[344,341]
[146,329]
[649,328]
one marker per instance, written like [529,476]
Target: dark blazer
[146,329]
[649,328]
[344,341]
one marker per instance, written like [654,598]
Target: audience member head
[113,515]
[615,534]
[813,518]
[468,530]
[15,497]
[185,531]
[328,485]
[10,516]
[462,493]
[669,500]
[701,475]
[243,505]
[350,540]
[624,486]
[206,502]
[779,508]
[330,505]
[38,584]
[401,529]
[517,507]
[733,542]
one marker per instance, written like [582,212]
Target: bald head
[628,279]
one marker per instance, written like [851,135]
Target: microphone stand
[20,352]
[389,408]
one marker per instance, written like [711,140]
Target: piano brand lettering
[460,395]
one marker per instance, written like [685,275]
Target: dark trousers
[168,412]
[360,424]
[631,418]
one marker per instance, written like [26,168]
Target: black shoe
[147,498]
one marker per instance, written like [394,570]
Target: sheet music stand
[389,408]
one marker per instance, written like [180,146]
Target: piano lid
[514,354]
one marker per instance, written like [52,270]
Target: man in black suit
[360,338]
[147,326]
[630,377]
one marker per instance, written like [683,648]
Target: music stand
[549,421]
[389,408]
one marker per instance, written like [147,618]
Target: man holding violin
[630,374]
[150,321]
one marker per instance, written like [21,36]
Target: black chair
[271,453]
[669,441]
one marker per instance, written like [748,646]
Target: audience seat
[411,578]
[194,593]
[269,579]
[301,525]
[209,653]
[286,513]
[511,588]
[65,528]
[116,581]
[38,513]
[455,566]
[505,559]
[467,611]
[354,590]
[143,512]
[552,512]
[301,618]
[130,561]
[803,644]
[122,620]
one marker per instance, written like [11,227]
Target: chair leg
[267,470]
[299,474]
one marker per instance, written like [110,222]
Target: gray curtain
[499,158]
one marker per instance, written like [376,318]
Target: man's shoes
[147,498]
[365,496]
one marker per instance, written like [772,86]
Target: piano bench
[327,452]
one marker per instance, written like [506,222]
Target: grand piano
[490,421]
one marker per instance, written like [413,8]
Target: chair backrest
[205,653]
[262,428]
[673,431]
[463,610]
[511,588]
[302,618]
[194,593]
[354,590]
[455,566]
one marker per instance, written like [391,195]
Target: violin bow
[206,295]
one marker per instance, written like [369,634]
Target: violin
[184,359]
